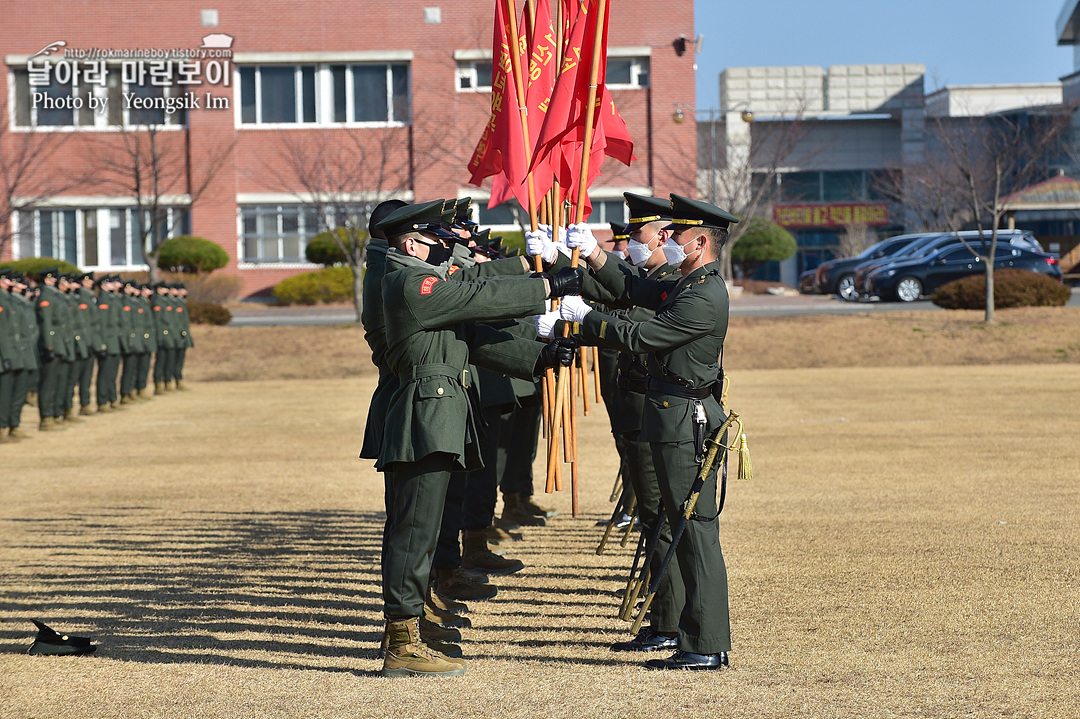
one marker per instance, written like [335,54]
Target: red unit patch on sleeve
[43,303]
[454,268]
[663,296]
[427,284]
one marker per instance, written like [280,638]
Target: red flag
[501,148]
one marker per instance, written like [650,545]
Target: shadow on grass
[203,587]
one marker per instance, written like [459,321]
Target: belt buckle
[465,377]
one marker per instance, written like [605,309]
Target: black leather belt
[631,384]
[677,390]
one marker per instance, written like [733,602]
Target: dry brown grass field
[907,547]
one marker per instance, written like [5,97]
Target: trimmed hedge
[1012,288]
[324,250]
[763,241]
[332,284]
[191,254]
[34,265]
[206,313]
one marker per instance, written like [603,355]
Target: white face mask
[639,253]
[674,254]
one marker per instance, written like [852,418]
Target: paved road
[746,305]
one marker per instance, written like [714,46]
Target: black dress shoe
[647,641]
[689,660]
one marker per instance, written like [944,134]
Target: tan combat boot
[408,656]
[126,399]
[476,555]
[459,584]
[444,618]
[104,408]
[31,399]
[119,405]
[159,388]
[5,438]
[514,512]
[16,433]
[69,416]
[142,396]
[438,632]
[180,385]
[50,424]
[498,535]
[87,411]
[526,503]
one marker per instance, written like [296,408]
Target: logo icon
[48,49]
[217,40]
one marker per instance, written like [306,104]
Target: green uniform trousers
[84,376]
[517,448]
[127,375]
[7,397]
[163,365]
[106,379]
[25,381]
[178,365]
[419,493]
[704,625]
[142,370]
[51,384]
[640,474]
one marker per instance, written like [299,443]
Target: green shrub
[1012,288]
[763,241]
[33,265]
[325,250]
[191,254]
[207,313]
[332,284]
[216,288]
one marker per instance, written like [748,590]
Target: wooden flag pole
[596,370]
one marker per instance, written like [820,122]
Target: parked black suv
[908,281]
[837,277]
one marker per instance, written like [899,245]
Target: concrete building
[392,96]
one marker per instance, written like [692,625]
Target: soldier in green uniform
[26,379]
[682,345]
[183,328]
[10,357]
[165,334]
[129,348]
[109,310]
[56,348]
[88,324]
[77,326]
[431,430]
[145,331]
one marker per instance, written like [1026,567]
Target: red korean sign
[833,215]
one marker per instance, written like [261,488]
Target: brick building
[396,92]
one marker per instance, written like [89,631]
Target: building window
[605,211]
[102,238]
[324,94]
[627,73]
[69,98]
[276,233]
[474,75]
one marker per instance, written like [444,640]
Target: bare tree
[983,160]
[28,177]
[854,238]
[342,176]
[153,166]
[737,171]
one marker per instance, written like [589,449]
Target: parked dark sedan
[926,246]
[837,277]
[908,281]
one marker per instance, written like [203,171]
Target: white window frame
[104,240]
[466,69]
[636,65]
[304,234]
[101,120]
[324,95]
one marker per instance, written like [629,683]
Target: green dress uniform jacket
[164,324]
[183,323]
[145,328]
[428,349]
[127,323]
[109,311]
[26,322]
[54,320]
[82,324]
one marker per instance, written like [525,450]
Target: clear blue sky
[961,42]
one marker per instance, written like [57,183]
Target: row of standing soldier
[54,329]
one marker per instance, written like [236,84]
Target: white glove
[581,236]
[573,308]
[545,324]
[546,229]
[537,242]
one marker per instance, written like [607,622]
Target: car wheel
[845,288]
[908,289]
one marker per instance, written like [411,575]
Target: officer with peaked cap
[57,351]
[109,310]
[682,346]
[431,430]
[26,380]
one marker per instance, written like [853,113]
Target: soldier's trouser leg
[7,395]
[159,365]
[517,450]
[448,548]
[482,485]
[627,486]
[388,506]
[23,385]
[178,370]
[85,376]
[704,626]
[419,495]
[48,391]
[71,377]
[106,379]
[640,473]
[174,362]
[142,371]
[127,376]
